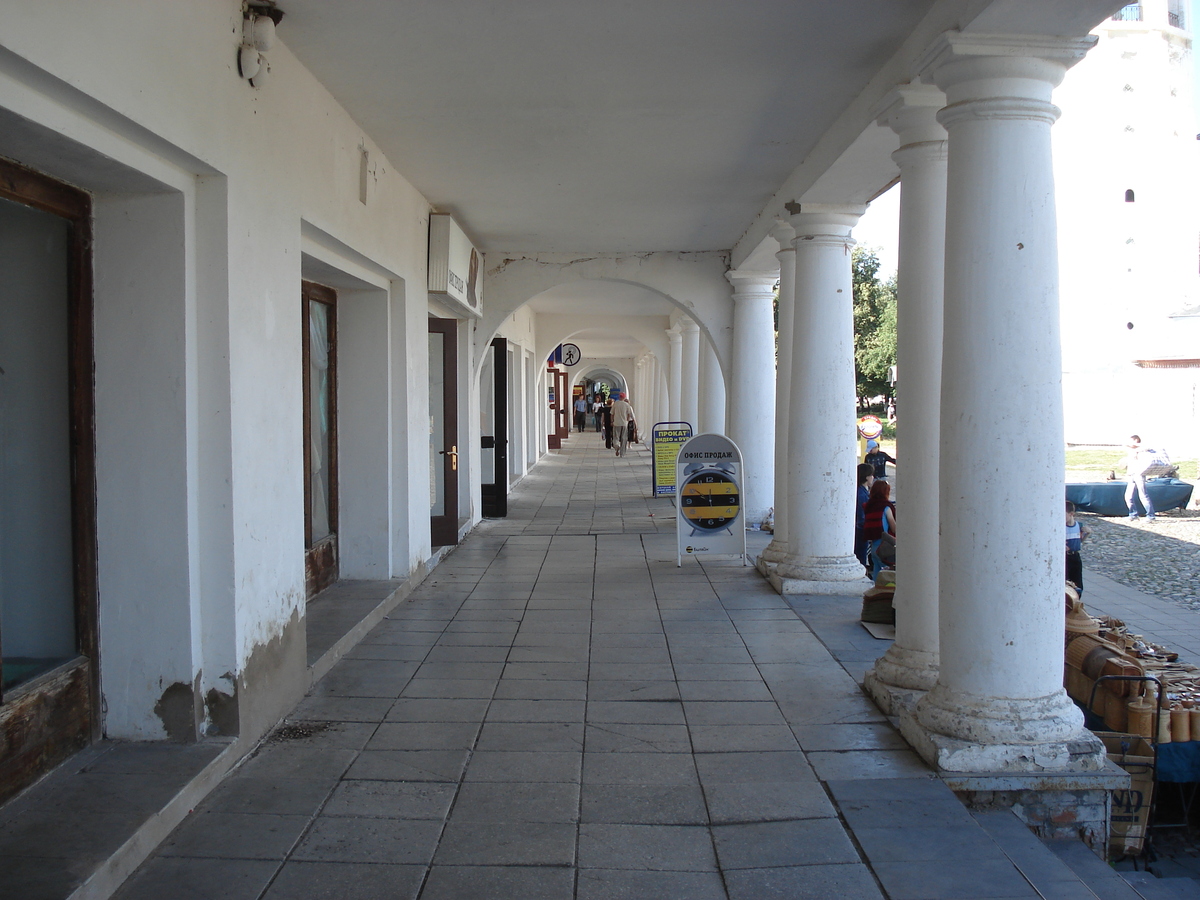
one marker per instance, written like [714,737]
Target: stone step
[1049,874]
[1105,882]
[1151,887]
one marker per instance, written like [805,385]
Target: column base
[775,552]
[956,732]
[819,575]
[900,678]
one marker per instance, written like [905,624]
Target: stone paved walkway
[1160,558]
[561,712]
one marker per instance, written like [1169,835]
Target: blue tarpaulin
[1179,762]
[1107,498]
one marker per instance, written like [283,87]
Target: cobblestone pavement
[1160,558]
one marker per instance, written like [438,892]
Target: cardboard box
[1130,807]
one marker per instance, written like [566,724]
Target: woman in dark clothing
[866,478]
[879,516]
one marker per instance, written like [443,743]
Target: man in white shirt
[622,416]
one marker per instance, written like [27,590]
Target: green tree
[874,325]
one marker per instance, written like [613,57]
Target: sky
[879,228]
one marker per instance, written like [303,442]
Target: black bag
[633,434]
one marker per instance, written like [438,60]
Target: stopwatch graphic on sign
[709,498]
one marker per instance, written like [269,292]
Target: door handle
[453,454]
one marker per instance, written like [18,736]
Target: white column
[752,394]
[663,406]
[999,703]
[675,376]
[911,663]
[712,390]
[639,383]
[822,452]
[689,376]
[647,407]
[785,235]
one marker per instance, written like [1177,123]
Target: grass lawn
[1094,463]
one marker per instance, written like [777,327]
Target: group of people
[875,513]
[1140,463]
[613,417]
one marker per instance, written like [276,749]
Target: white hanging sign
[708,505]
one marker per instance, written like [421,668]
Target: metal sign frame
[709,479]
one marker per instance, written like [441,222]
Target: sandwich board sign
[665,440]
[708,507]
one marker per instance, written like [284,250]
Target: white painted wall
[520,331]
[1128,123]
[198,326]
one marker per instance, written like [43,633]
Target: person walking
[622,418]
[580,413]
[598,410]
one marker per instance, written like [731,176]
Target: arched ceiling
[594,304]
[606,342]
[600,298]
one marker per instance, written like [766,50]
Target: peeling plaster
[176,709]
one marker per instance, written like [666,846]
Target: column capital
[674,335]
[751,285]
[783,232]
[910,156]
[687,325]
[911,110]
[982,66]
[826,221]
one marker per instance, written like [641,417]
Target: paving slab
[560,711]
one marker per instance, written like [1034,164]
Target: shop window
[47,477]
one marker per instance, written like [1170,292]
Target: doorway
[320,437]
[493,422]
[49,667]
[443,432]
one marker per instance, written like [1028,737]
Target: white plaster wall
[145,553]
[519,329]
[534,443]
[1128,123]
[161,94]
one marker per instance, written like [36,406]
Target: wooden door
[320,437]
[443,431]
[495,445]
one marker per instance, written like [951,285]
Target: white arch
[693,282]
[649,331]
[598,370]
